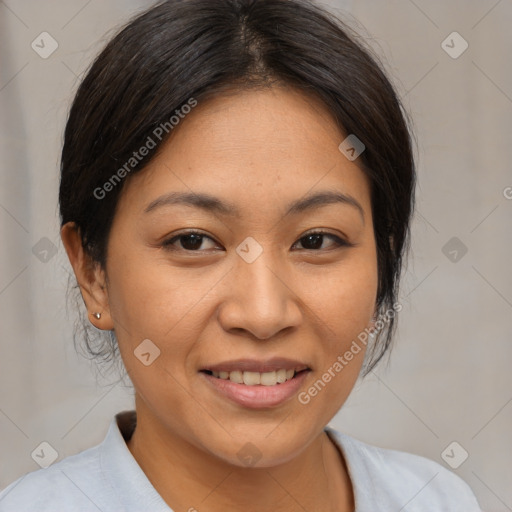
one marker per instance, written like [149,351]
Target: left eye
[315,240]
[192,241]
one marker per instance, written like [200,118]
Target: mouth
[257,384]
[249,378]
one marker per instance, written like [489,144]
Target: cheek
[344,302]
[152,300]
[344,296]
[149,297]
[346,313]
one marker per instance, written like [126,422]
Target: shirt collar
[136,492]
[120,469]
[356,459]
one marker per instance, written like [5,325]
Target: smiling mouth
[257,378]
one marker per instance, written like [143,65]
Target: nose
[259,299]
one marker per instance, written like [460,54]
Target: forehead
[257,147]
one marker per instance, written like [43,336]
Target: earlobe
[90,277]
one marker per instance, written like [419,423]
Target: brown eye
[315,240]
[189,241]
[192,241]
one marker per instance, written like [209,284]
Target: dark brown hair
[183,49]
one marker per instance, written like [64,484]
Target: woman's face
[253,293]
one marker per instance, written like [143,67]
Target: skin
[260,150]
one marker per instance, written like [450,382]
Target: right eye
[190,241]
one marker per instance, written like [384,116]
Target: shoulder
[396,479]
[74,483]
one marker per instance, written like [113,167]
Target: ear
[90,276]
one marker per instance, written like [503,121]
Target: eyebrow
[213,204]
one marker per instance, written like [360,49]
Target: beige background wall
[449,378]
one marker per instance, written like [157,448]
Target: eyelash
[168,244]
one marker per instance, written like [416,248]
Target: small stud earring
[97,315]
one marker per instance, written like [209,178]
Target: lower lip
[257,397]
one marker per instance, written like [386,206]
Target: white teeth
[236,376]
[281,376]
[268,379]
[252,378]
[255,378]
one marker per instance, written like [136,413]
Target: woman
[236,191]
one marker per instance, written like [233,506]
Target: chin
[259,447]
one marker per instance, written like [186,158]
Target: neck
[189,478]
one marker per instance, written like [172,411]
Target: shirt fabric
[107,478]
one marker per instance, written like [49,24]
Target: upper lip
[261,366]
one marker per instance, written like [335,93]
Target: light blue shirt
[107,478]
